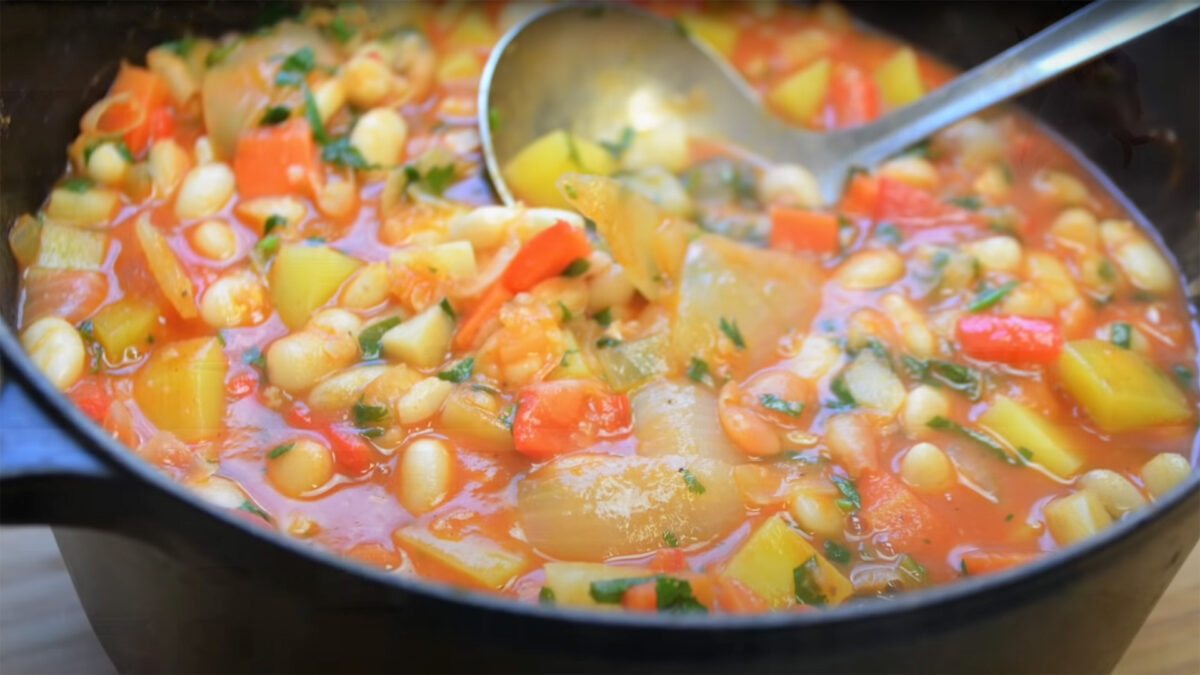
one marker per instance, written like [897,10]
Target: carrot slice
[148,96]
[736,598]
[545,256]
[855,96]
[799,230]
[861,196]
[274,160]
[986,562]
[483,312]
[669,560]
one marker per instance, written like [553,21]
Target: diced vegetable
[767,562]
[571,582]
[483,313]
[172,278]
[1076,517]
[872,383]
[534,171]
[70,248]
[647,242]
[1015,340]
[1032,436]
[125,325]
[557,417]
[67,294]
[1119,388]
[890,508]
[986,562]
[304,277]
[475,557]
[273,161]
[478,415]
[593,507]
[899,79]
[718,276]
[422,340]
[680,418]
[91,207]
[181,388]
[56,348]
[800,95]
[715,32]
[452,260]
[799,230]
[147,95]
[546,255]
[899,202]
[24,239]
[855,96]
[635,362]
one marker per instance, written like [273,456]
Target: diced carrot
[70,294]
[902,203]
[799,230]
[861,196]
[855,96]
[350,451]
[92,397]
[375,555]
[641,598]
[148,96]
[986,562]
[669,560]
[564,415]
[161,123]
[1015,340]
[241,385]
[891,508]
[736,598]
[482,313]
[546,255]
[274,160]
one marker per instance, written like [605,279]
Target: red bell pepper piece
[855,96]
[1006,338]
[799,230]
[902,203]
[140,116]
[277,160]
[545,256]
[891,508]
[565,415]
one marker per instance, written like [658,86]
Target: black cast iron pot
[172,585]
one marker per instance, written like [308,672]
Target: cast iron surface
[171,585]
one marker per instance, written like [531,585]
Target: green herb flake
[1184,375]
[730,329]
[218,55]
[1008,518]
[567,315]
[565,362]
[916,367]
[960,378]
[254,357]
[508,416]
[604,317]
[268,245]
[221,338]
[915,572]
[1107,270]
[181,48]
[366,415]
[670,539]
[789,408]
[279,450]
[806,580]
[675,595]
[546,596]
[274,222]
[250,507]
[1121,334]
[991,296]
[434,181]
[610,591]
[698,370]
[848,490]
[296,67]
[837,553]
[1025,453]
[968,202]
[573,151]
[577,268]
[445,305]
[78,184]
[461,372]
[888,234]
[313,115]
[693,483]
[570,190]
[341,153]
[606,342]
[838,387]
[493,119]
[369,340]
[88,330]
[276,114]
[962,567]
[617,148]
[339,30]
[942,424]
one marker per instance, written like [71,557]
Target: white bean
[1076,227]
[330,96]
[485,227]
[910,169]
[367,81]
[168,163]
[997,254]
[367,288]
[56,348]
[341,390]
[1061,188]
[297,361]
[107,165]
[304,466]
[789,185]
[1050,275]
[919,340]
[870,270]
[816,514]
[993,183]
[214,239]
[237,298]
[379,136]
[424,475]
[1076,517]
[203,151]
[423,400]
[817,356]
[205,189]
[1116,493]
[1140,259]
[1163,472]
[922,405]
[609,288]
[926,468]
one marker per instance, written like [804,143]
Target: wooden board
[43,629]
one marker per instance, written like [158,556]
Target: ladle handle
[1087,33]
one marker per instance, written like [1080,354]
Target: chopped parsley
[250,507]
[216,56]
[942,424]
[275,221]
[276,114]
[573,150]
[567,315]
[369,340]
[991,296]
[435,180]
[341,153]
[313,115]
[670,539]
[617,148]
[730,329]
[957,377]
[675,595]
[1184,375]
[808,589]
[268,245]
[604,317]
[367,415]
[508,416]
[1025,453]
[1107,270]
[570,190]
[1008,518]
[698,371]
[789,408]
[546,596]
[837,553]
[254,357]
[606,342]
[339,31]
[838,387]
[78,184]
[693,483]
[968,202]
[577,268]
[914,572]
[181,47]
[1122,334]
[610,591]
[119,145]
[461,371]
[296,67]
[280,450]
[445,305]
[88,330]
[493,119]
[850,495]
[888,234]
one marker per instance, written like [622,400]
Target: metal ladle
[597,69]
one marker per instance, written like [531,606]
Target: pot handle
[46,475]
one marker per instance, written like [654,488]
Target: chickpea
[870,270]
[379,136]
[301,468]
[1163,472]
[236,299]
[56,348]
[789,185]
[926,468]
[368,81]
[424,475]
[204,191]
[214,239]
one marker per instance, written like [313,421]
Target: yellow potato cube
[1120,389]
[477,558]
[1033,437]
[181,388]
[799,96]
[304,278]
[899,79]
[534,172]
[766,564]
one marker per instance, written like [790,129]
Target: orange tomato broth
[356,515]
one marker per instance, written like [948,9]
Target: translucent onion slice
[70,294]
[680,418]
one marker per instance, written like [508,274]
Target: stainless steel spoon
[596,69]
